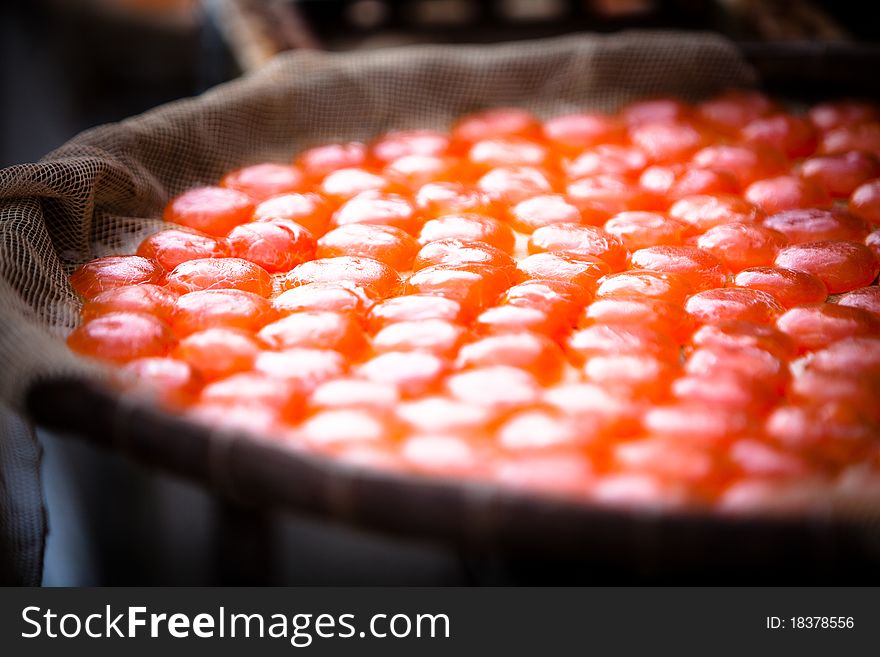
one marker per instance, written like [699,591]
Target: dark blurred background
[71,64]
[67,65]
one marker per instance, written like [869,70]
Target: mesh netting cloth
[103,192]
